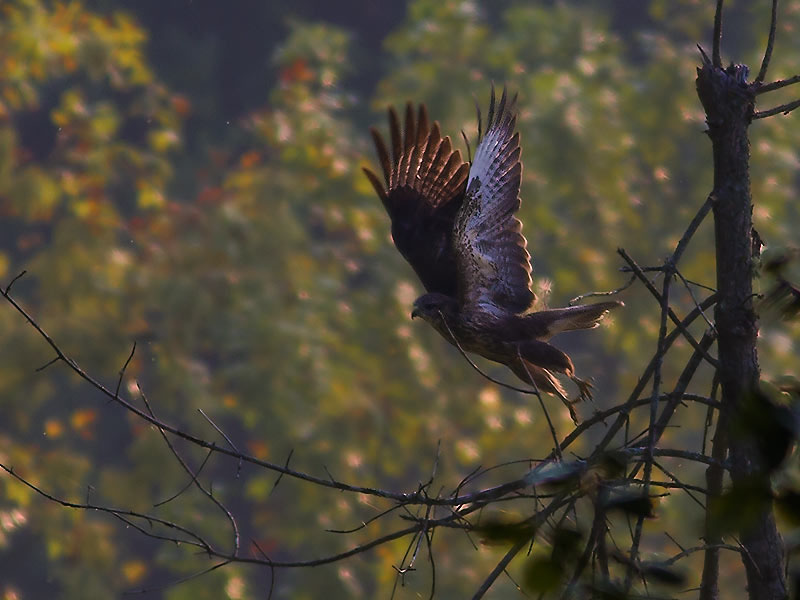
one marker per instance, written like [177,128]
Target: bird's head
[431,306]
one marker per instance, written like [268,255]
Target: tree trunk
[729,104]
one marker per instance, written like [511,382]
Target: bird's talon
[572,413]
[584,389]
[569,404]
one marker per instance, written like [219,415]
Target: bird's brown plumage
[425,181]
[494,266]
[455,223]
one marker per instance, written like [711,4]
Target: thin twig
[674,541]
[582,297]
[783,108]
[401,571]
[280,475]
[148,532]
[207,547]
[195,541]
[694,299]
[412,497]
[123,369]
[669,485]
[762,73]
[694,224]
[177,582]
[383,513]
[544,408]
[47,364]
[360,549]
[715,476]
[535,520]
[685,332]
[651,438]
[271,569]
[679,484]
[688,551]
[429,540]
[675,453]
[683,382]
[188,484]
[595,535]
[632,400]
[601,416]
[713,290]
[12,282]
[435,464]
[194,475]
[499,568]
[219,430]
[776,85]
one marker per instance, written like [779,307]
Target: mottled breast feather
[425,180]
[494,266]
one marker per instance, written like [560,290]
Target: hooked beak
[415,313]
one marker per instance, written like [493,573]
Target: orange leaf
[53,428]
[181,105]
[258,449]
[250,159]
[83,418]
[297,71]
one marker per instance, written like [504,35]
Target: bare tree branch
[783,108]
[716,55]
[776,85]
[651,439]
[762,72]
[685,332]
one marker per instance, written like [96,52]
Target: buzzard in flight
[454,223]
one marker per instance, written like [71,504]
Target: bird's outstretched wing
[425,181]
[494,267]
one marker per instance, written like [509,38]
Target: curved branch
[762,72]
[413,497]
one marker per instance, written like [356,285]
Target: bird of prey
[455,223]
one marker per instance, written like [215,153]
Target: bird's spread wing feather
[422,189]
[493,263]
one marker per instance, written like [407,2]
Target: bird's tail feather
[572,318]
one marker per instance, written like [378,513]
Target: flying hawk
[454,223]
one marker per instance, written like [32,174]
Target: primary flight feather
[456,225]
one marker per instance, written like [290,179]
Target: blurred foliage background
[188,175]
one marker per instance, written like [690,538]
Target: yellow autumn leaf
[83,208]
[150,197]
[163,139]
[134,570]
